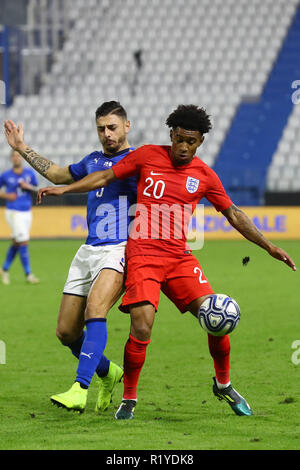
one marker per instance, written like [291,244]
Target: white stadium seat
[190,54]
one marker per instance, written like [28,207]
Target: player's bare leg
[70,321]
[142,318]
[104,293]
[219,348]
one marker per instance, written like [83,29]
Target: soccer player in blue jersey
[19,182]
[95,279]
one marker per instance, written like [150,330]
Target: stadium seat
[189,55]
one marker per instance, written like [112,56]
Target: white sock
[222,386]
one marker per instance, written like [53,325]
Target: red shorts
[180,279]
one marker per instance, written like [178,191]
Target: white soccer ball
[219,314]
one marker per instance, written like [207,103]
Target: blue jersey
[107,208]
[12,180]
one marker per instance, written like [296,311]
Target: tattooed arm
[241,222]
[46,168]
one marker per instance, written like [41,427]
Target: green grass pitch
[176,407]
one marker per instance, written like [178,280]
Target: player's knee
[142,319]
[142,331]
[65,336]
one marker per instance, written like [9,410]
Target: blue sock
[103,366]
[24,255]
[92,350]
[76,345]
[10,256]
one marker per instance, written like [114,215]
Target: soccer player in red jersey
[170,179]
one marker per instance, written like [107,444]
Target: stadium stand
[181,52]
[257,128]
[284,172]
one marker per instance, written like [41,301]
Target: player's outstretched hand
[14,134]
[49,191]
[280,254]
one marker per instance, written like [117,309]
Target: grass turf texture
[176,407]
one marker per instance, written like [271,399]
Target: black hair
[111,107]
[190,117]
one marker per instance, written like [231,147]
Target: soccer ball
[219,314]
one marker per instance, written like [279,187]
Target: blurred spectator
[139,64]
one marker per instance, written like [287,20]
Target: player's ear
[127,126]
[171,134]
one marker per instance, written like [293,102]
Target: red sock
[134,358]
[219,348]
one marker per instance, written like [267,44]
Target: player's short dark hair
[111,107]
[190,117]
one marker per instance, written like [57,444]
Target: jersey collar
[116,154]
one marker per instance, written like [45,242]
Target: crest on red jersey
[192,184]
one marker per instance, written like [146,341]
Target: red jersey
[166,198]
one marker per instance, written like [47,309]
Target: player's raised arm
[241,222]
[98,179]
[47,168]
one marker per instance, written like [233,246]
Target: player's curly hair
[110,107]
[190,117]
